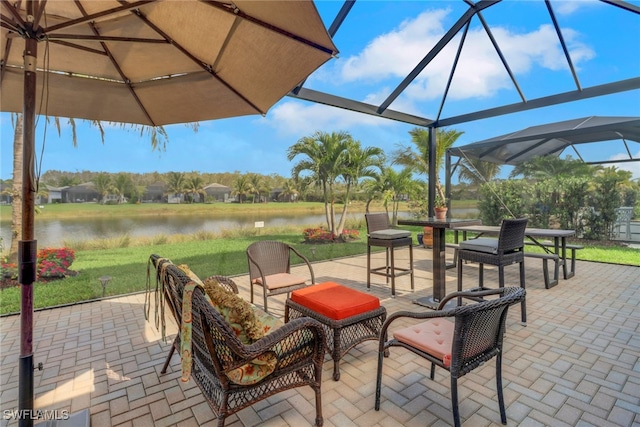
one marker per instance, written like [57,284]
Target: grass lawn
[224,255]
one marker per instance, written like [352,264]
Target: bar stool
[380,233]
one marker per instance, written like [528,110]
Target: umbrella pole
[27,246]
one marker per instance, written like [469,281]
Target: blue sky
[379,43]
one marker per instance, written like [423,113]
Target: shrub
[54,263]
[9,270]
[322,235]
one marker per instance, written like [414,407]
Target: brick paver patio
[576,363]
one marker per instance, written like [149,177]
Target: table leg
[439,272]
[567,274]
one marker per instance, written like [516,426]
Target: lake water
[53,232]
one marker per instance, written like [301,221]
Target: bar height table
[439,253]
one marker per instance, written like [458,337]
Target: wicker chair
[506,250]
[298,345]
[270,269]
[380,233]
[475,336]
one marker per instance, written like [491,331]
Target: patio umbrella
[148,62]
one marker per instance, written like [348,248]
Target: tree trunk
[343,216]
[16,191]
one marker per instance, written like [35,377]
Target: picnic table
[535,235]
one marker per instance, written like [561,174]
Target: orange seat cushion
[335,301]
[435,336]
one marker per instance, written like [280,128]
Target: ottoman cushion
[335,301]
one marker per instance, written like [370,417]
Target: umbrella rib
[79,47]
[38,14]
[14,13]
[7,49]
[6,23]
[237,12]
[126,80]
[100,38]
[87,18]
[204,66]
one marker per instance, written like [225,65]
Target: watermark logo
[36,414]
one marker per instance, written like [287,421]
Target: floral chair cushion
[242,318]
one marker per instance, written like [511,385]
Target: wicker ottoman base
[342,335]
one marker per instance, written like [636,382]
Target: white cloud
[396,53]
[633,167]
[566,7]
[298,118]
[479,73]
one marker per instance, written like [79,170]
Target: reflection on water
[53,232]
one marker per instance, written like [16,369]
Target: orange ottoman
[348,316]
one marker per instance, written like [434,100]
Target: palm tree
[543,167]
[157,136]
[478,172]
[16,191]
[418,158]
[323,159]
[122,185]
[194,185]
[398,186]
[256,183]
[103,185]
[358,163]
[289,190]
[241,187]
[176,184]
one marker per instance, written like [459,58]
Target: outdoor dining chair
[270,269]
[507,249]
[380,233]
[458,339]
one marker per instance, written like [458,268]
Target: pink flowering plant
[322,235]
[54,263]
[9,270]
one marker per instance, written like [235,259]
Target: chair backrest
[272,257]
[479,330]
[207,359]
[173,282]
[512,235]
[376,222]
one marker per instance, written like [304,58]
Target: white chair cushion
[281,280]
[481,244]
[389,234]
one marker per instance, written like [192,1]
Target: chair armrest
[437,313]
[304,258]
[470,295]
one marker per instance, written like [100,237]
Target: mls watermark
[36,414]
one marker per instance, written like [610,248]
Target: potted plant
[440,205]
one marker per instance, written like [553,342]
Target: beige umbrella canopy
[151,62]
[162,62]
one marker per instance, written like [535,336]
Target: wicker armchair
[270,269]
[175,300]
[475,336]
[506,250]
[298,345]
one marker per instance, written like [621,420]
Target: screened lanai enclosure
[26,25]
